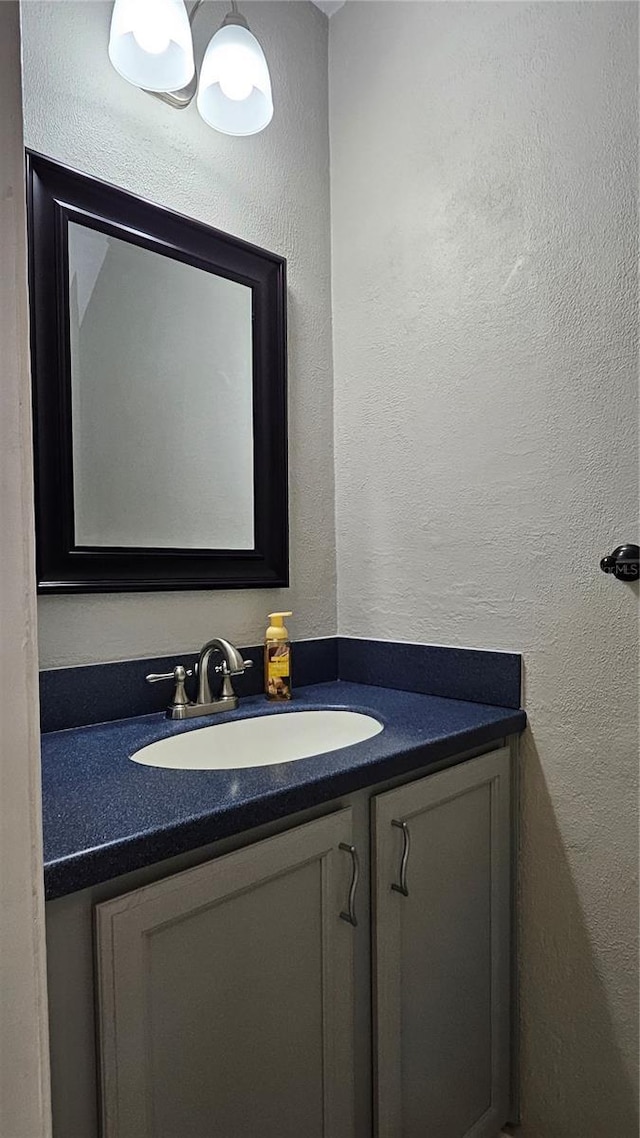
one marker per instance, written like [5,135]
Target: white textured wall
[272,190]
[484,243]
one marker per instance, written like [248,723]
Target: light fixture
[150,43]
[234,92]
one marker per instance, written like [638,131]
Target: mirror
[160,395]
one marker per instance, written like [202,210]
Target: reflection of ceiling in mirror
[328,6]
[87,252]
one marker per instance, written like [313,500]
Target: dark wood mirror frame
[56,196]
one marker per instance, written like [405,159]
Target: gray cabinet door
[442,953]
[226,995]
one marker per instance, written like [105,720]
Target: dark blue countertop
[104,815]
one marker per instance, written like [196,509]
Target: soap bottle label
[278,671]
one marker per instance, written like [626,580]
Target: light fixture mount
[184,97]
[234,17]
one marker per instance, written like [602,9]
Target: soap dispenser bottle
[277,658]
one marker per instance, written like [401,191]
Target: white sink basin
[260,742]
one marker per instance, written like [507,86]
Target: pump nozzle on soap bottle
[277,658]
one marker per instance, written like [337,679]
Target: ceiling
[328,6]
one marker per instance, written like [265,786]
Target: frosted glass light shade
[234,93]
[150,44]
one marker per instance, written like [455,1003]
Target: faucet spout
[235,665]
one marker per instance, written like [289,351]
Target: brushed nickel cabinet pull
[350,914]
[401,886]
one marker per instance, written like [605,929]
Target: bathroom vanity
[336,963]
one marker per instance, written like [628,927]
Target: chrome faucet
[181,707]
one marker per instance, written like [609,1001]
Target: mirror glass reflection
[162,400]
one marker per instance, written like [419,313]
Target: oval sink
[260,742]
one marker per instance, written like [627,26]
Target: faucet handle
[178,675]
[222,669]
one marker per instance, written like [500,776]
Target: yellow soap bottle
[277,658]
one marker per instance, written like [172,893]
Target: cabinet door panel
[442,954]
[226,998]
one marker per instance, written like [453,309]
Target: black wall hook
[624,563]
